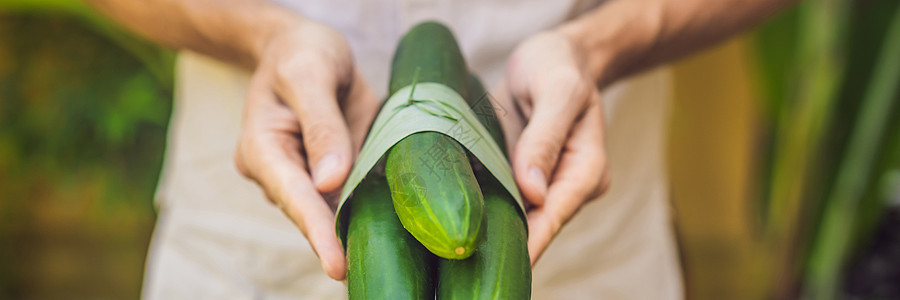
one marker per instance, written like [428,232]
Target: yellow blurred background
[78,163]
[711,158]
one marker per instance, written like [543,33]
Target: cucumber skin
[438,202]
[449,214]
[383,260]
[500,268]
[430,49]
[481,104]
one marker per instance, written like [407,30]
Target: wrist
[616,36]
[273,22]
[597,53]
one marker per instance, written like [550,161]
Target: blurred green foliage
[83,113]
[829,70]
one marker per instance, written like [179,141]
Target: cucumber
[431,50]
[383,260]
[500,268]
[434,190]
[480,102]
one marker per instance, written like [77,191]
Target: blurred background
[784,154]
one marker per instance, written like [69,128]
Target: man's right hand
[307,113]
[307,109]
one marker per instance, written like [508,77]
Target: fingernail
[538,178]
[325,168]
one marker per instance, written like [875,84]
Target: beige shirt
[218,238]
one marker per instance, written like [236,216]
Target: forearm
[626,36]
[230,30]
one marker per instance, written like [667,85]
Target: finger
[263,114]
[285,179]
[326,138]
[541,230]
[360,108]
[545,134]
[269,153]
[580,177]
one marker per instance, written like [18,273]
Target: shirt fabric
[217,237]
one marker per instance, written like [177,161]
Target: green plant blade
[832,244]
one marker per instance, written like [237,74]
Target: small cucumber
[436,194]
[383,260]
[433,187]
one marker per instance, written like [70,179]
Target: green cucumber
[433,187]
[383,260]
[480,102]
[430,50]
[500,268]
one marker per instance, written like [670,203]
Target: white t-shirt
[218,238]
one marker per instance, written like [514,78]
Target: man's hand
[295,141]
[559,160]
[307,109]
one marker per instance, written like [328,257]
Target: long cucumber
[383,260]
[433,187]
[500,268]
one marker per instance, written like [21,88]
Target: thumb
[538,149]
